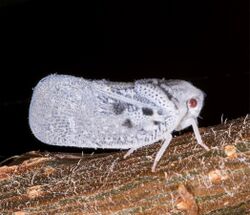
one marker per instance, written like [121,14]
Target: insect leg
[130,151]
[197,134]
[167,140]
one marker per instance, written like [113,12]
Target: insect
[71,111]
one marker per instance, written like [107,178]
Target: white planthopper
[71,111]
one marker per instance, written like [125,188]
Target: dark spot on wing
[147,111]
[118,108]
[127,123]
[156,123]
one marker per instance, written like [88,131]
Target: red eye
[192,103]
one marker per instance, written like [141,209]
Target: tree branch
[188,179]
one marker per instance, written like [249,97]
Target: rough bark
[188,179]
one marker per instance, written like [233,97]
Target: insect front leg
[197,133]
[192,122]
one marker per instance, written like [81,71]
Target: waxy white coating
[71,111]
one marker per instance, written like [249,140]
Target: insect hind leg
[166,141]
[130,151]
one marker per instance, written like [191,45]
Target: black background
[205,42]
